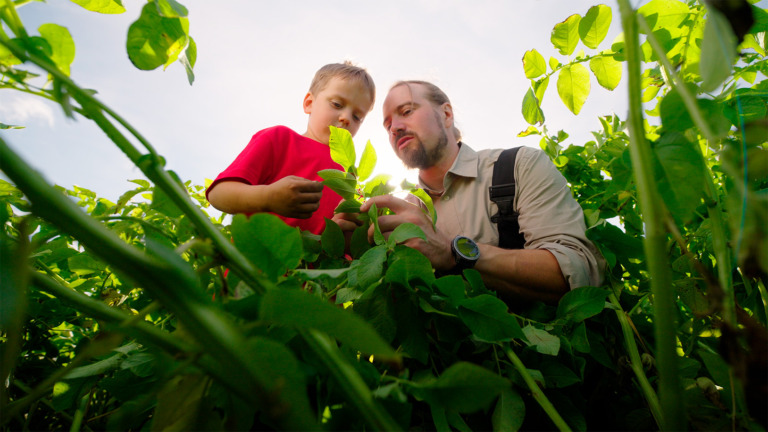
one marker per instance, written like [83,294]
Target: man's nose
[396,127]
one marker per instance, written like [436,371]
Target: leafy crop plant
[118,315]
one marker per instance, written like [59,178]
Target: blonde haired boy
[277,170]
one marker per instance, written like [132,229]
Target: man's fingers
[395,204]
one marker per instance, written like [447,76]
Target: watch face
[467,247]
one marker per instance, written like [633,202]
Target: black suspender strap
[502,192]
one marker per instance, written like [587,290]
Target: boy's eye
[357,118]
[335,104]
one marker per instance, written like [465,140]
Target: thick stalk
[636,363]
[714,207]
[665,311]
[169,279]
[142,331]
[347,377]
[150,166]
[539,395]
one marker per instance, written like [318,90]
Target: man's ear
[308,99]
[447,111]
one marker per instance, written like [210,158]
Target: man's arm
[527,274]
[290,196]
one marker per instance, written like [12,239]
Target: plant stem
[169,279]
[634,357]
[150,166]
[714,208]
[670,391]
[539,395]
[347,377]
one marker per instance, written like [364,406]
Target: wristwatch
[465,251]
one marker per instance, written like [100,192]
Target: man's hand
[437,247]
[295,197]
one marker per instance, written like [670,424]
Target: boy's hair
[433,94]
[345,71]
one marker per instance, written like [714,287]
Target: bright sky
[256,60]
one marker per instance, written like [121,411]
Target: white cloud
[23,110]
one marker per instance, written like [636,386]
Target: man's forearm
[522,274]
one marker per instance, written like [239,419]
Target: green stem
[665,311]
[636,363]
[347,377]
[141,330]
[539,395]
[169,279]
[714,207]
[151,167]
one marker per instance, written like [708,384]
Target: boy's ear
[308,99]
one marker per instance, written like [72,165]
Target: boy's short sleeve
[255,164]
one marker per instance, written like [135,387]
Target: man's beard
[419,157]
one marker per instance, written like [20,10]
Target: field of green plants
[148,314]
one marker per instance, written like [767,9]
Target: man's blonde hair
[345,71]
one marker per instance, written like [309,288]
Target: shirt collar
[465,165]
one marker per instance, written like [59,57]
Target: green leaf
[5,126]
[539,88]
[407,266]
[62,45]
[557,375]
[188,58]
[607,71]
[718,51]
[581,303]
[270,244]
[544,342]
[370,267]
[102,6]
[534,64]
[154,41]
[594,26]
[664,14]
[684,174]
[342,148]
[376,185]
[489,319]
[359,243]
[297,308]
[565,35]
[279,367]
[509,413]
[367,162]
[532,112]
[344,187]
[422,195]
[332,239]
[573,86]
[404,232]
[171,9]
[348,206]
[179,402]
[464,387]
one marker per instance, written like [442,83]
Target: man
[557,257]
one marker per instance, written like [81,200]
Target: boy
[277,171]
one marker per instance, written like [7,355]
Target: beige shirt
[550,218]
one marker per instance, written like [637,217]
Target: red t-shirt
[278,152]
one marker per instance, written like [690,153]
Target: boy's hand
[295,197]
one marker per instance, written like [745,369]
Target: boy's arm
[291,196]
